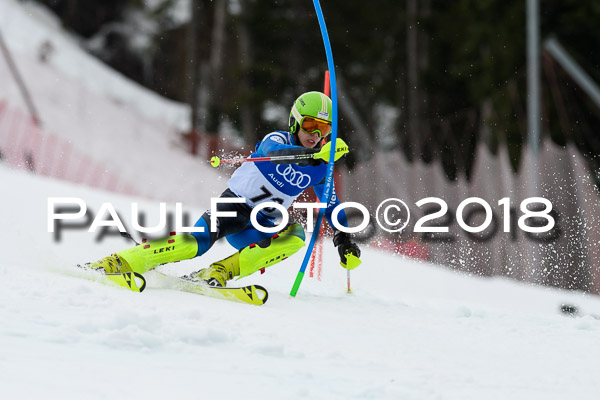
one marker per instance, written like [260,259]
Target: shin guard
[271,251]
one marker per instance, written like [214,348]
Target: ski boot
[218,273]
[148,255]
[253,258]
[112,264]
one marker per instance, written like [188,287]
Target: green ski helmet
[313,112]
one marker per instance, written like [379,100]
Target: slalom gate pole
[318,254]
[329,177]
[316,258]
[327,91]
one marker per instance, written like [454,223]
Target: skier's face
[309,140]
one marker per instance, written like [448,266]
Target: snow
[409,330]
[96,114]
[28,26]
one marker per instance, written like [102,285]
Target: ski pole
[349,287]
[340,149]
[216,161]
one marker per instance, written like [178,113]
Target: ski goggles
[313,125]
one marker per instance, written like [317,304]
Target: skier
[309,125]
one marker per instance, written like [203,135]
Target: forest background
[431,78]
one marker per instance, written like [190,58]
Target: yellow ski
[130,280]
[252,294]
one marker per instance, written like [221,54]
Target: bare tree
[245,50]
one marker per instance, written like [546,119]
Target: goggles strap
[296,115]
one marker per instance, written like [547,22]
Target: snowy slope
[95,113]
[28,26]
[409,331]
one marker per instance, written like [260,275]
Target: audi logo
[293,177]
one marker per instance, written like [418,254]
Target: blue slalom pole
[330,165]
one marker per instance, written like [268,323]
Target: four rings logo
[293,177]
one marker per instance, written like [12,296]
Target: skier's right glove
[320,155]
[348,250]
[341,148]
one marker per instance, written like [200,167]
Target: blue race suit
[260,182]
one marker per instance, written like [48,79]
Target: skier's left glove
[348,250]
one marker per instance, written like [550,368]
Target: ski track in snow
[409,331]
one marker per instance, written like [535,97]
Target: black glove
[342,241]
